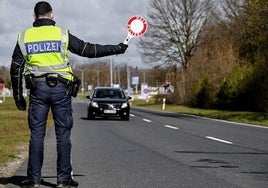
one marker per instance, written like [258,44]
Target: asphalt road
[159,150]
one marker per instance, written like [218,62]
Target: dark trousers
[42,99]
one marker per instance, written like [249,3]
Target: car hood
[108,100]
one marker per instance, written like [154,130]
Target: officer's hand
[21,103]
[122,48]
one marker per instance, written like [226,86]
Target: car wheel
[90,116]
[126,118]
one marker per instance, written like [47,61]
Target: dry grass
[14,132]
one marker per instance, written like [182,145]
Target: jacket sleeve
[16,72]
[86,49]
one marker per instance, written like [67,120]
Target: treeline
[104,73]
[228,68]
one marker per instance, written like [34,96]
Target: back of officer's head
[42,9]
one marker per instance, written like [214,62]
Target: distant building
[2,87]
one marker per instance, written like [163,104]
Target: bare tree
[231,8]
[174,30]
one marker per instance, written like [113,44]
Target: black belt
[64,80]
[60,79]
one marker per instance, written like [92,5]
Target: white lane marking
[132,115]
[171,127]
[219,140]
[147,120]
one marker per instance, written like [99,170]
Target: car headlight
[124,105]
[94,104]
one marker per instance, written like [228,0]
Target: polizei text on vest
[43,47]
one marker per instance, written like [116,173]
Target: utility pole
[98,76]
[111,72]
[118,71]
[83,86]
[144,77]
[128,77]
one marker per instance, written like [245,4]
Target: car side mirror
[88,97]
[129,97]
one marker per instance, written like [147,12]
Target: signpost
[135,81]
[145,91]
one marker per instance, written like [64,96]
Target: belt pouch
[30,83]
[52,80]
[73,88]
[76,84]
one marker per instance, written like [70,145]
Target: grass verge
[14,132]
[236,116]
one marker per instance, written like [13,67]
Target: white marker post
[136,27]
[164,104]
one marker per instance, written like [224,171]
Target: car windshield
[109,93]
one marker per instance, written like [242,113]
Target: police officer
[41,56]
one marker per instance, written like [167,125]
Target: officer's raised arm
[87,49]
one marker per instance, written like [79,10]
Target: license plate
[109,111]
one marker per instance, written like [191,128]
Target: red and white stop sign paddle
[136,26]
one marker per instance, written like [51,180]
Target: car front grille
[110,105]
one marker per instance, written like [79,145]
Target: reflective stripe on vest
[45,54]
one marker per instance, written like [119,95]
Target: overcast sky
[95,21]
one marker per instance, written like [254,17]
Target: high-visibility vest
[45,51]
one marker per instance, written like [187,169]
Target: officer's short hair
[42,8]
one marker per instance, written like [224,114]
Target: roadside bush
[245,89]
[235,84]
[225,97]
[158,99]
[254,95]
[205,98]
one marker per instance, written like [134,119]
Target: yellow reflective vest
[45,51]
